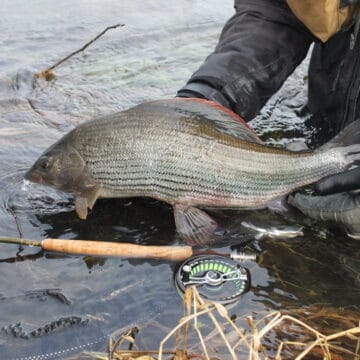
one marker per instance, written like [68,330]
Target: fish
[273,232]
[341,208]
[191,153]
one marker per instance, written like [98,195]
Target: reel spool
[217,278]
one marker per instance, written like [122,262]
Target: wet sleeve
[259,47]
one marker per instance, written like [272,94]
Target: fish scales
[184,159]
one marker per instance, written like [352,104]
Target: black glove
[342,182]
[206,91]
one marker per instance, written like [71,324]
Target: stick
[48,74]
[13,213]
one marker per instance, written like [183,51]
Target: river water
[52,306]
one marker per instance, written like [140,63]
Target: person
[263,43]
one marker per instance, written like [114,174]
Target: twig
[196,326]
[279,350]
[49,75]
[128,335]
[132,353]
[321,345]
[341,349]
[321,339]
[216,323]
[223,312]
[12,212]
[357,350]
[183,321]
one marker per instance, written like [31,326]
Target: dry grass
[276,336]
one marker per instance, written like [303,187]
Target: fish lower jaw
[35,178]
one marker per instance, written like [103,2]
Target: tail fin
[349,140]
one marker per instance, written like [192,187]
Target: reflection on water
[56,304]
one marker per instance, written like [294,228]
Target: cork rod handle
[96,248]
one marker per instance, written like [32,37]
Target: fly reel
[217,278]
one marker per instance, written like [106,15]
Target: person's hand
[342,182]
[341,208]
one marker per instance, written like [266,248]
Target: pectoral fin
[193,225]
[86,201]
[81,207]
[278,205]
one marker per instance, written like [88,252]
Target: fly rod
[115,249]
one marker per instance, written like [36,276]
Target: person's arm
[259,47]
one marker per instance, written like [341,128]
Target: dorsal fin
[216,115]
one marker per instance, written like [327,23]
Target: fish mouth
[33,176]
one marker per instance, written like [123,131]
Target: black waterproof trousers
[260,46]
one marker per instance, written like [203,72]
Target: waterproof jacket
[260,46]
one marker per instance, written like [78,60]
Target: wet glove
[342,208]
[206,91]
[342,182]
[340,205]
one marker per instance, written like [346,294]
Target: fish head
[61,167]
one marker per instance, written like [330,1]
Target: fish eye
[45,164]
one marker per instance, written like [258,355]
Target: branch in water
[48,75]
[18,225]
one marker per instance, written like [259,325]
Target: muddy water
[54,305]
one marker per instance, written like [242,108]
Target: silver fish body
[188,153]
[180,159]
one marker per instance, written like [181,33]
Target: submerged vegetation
[315,332]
